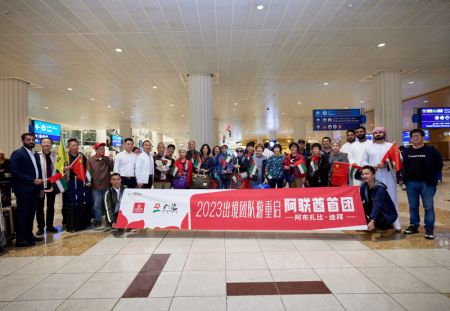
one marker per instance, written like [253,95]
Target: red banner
[278,209]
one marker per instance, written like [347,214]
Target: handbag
[179,183]
[200,181]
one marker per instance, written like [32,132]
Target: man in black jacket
[113,196]
[422,164]
[27,185]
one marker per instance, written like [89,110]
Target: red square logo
[139,207]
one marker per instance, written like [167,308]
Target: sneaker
[411,230]
[429,234]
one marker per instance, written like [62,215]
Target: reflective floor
[173,270]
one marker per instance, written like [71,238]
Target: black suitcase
[77,207]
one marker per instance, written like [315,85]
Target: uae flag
[174,171]
[393,158]
[314,166]
[59,183]
[354,168]
[253,168]
[78,168]
[300,165]
[88,173]
[340,174]
[228,158]
[197,161]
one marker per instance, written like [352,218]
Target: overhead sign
[43,129]
[336,119]
[255,209]
[434,118]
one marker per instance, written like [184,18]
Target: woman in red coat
[295,167]
[182,171]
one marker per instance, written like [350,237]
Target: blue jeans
[98,204]
[415,190]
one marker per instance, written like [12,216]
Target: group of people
[258,166]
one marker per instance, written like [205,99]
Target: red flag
[340,170]
[78,168]
[393,158]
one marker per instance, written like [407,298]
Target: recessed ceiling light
[132,116]
[92,98]
[119,50]
[236,104]
[283,113]
[299,103]
[171,105]
[234,109]
[182,115]
[361,101]
[46,108]
[425,101]
[69,89]
[82,118]
[121,112]
[109,106]
[382,44]
[411,82]
[326,83]
[155,87]
[260,7]
[345,107]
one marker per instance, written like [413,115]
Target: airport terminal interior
[224,72]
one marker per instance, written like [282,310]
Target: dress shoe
[37,239]
[40,232]
[52,229]
[25,244]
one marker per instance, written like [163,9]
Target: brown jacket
[101,172]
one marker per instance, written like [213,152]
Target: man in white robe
[373,154]
[358,149]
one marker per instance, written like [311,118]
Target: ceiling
[274,57]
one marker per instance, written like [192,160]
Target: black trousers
[149,184]
[130,182]
[50,210]
[27,203]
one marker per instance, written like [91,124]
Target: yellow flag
[62,159]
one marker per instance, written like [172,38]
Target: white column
[299,127]
[159,138]
[272,135]
[216,133]
[200,108]
[125,129]
[388,104]
[13,113]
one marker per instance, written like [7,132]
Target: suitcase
[77,209]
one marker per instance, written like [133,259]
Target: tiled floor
[233,270]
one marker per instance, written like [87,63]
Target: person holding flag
[257,166]
[274,169]
[48,160]
[99,168]
[182,171]
[295,167]
[206,161]
[224,167]
[76,214]
[318,167]
[373,156]
[192,154]
[422,165]
[339,167]
[241,165]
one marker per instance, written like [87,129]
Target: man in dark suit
[27,185]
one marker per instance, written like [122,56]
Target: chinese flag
[339,177]
[78,168]
[393,157]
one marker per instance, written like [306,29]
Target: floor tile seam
[416,253]
[22,267]
[181,274]
[437,290]
[38,283]
[370,279]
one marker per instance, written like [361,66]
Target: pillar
[299,128]
[159,138]
[125,129]
[272,135]
[13,113]
[200,109]
[388,104]
[216,132]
